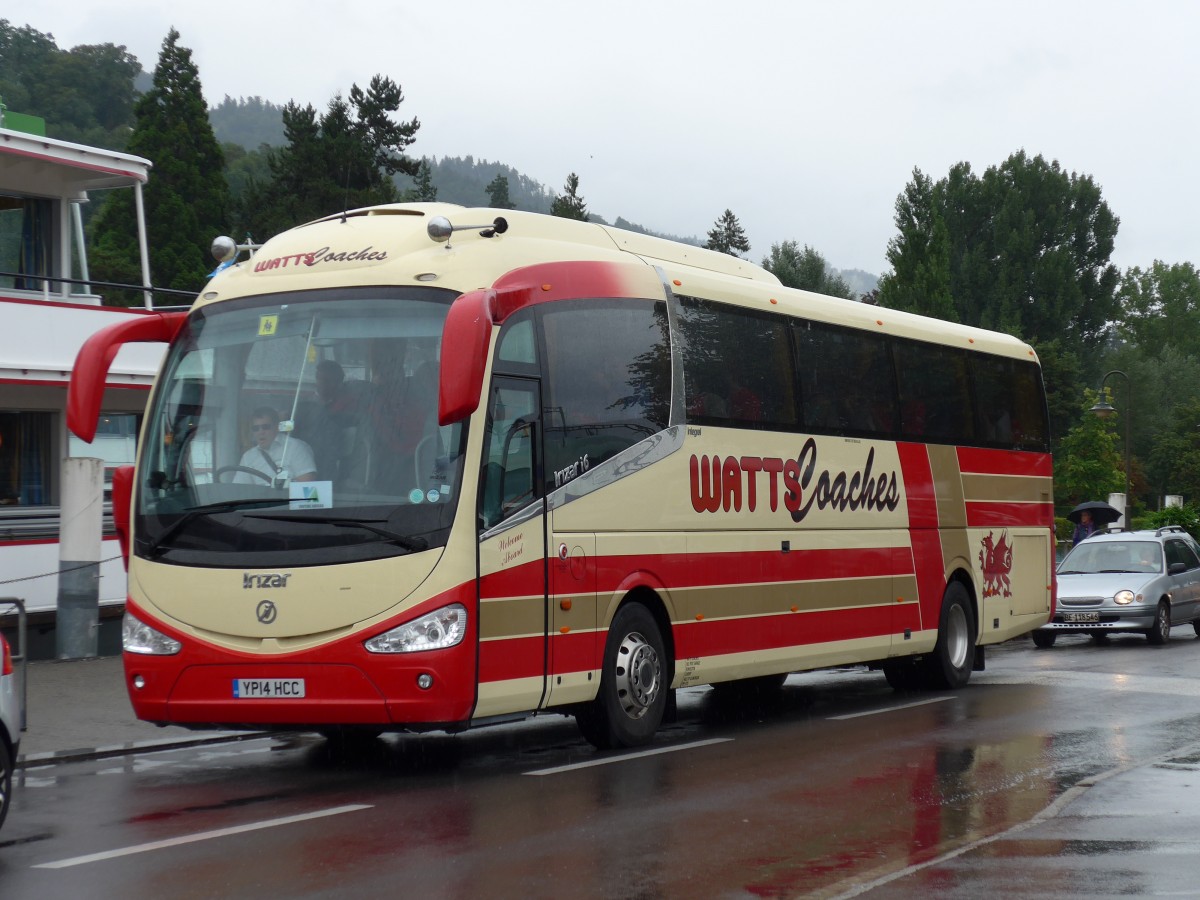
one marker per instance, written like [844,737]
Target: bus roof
[390,245]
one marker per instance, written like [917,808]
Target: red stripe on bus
[547,282]
[1003,515]
[918,485]
[978,461]
[930,567]
[510,659]
[712,569]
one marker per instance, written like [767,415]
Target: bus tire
[949,666]
[904,675]
[633,683]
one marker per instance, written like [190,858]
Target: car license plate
[1081,617]
[268,688]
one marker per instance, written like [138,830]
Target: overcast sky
[806,119]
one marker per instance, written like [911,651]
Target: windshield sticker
[267,325]
[310,494]
[415,495]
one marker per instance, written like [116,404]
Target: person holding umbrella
[1090,517]
[1085,528]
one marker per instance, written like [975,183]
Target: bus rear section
[372,494]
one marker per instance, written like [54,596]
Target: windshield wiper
[411,544]
[193,511]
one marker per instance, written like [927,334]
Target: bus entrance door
[512,554]
[574,654]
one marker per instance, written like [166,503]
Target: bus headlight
[435,631]
[1123,597]
[138,637]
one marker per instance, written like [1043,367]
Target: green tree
[344,159]
[805,269]
[727,236]
[570,205]
[920,255]
[186,198]
[85,94]
[423,190]
[1161,306]
[497,191]
[1089,465]
[1028,245]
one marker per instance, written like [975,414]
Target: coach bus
[423,467]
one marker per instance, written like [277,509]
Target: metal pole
[78,619]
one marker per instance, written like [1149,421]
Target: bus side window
[507,481]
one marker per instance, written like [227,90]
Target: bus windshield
[301,429]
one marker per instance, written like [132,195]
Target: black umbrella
[1102,513]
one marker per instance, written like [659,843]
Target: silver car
[1127,581]
[10,726]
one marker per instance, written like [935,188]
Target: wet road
[839,787]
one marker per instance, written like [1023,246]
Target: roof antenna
[346,194]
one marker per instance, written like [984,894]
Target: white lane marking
[888,709]
[628,756]
[201,836]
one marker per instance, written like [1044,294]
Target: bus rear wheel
[949,666]
[633,683]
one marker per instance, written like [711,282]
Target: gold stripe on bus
[744,601]
[512,617]
[1007,488]
[951,504]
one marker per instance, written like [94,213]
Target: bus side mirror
[122,502]
[465,339]
[86,390]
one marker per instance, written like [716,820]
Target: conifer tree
[497,191]
[727,236]
[186,198]
[344,159]
[570,205]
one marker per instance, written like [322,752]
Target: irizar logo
[249,581]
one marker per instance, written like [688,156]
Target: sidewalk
[80,708]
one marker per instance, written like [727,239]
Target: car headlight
[435,631]
[1124,597]
[138,637]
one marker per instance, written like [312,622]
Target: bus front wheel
[633,683]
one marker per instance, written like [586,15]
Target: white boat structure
[48,308]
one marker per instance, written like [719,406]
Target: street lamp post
[1104,410]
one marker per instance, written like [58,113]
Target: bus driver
[280,459]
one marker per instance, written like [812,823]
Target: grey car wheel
[1160,631]
[6,774]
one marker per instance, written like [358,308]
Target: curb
[37,760]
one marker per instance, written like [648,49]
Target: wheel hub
[639,675]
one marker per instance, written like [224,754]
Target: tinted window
[1008,403]
[847,383]
[737,367]
[935,393]
[608,377]
[1179,552]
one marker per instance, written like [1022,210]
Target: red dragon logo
[996,559]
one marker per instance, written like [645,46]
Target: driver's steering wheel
[249,471]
